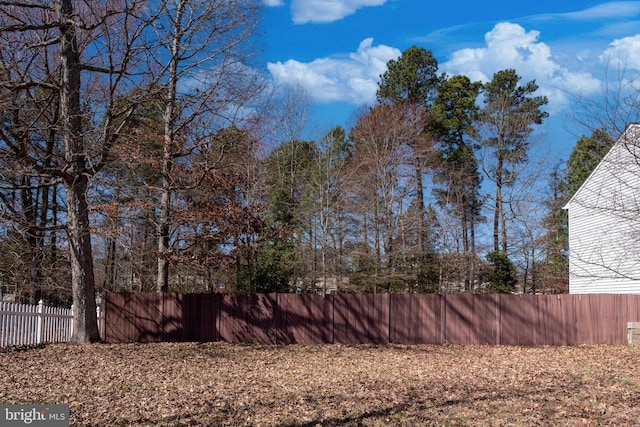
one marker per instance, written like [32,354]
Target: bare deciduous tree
[199,56]
[381,138]
[73,59]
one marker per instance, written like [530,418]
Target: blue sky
[336,49]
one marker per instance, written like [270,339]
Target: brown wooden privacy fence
[372,318]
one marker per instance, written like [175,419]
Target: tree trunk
[498,214]
[465,249]
[421,224]
[32,239]
[503,221]
[162,281]
[110,265]
[85,324]
[472,230]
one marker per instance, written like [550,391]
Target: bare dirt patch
[173,384]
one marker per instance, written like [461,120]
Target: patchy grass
[173,384]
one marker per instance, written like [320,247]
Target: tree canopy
[137,155]
[585,156]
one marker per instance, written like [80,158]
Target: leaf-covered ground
[328,385]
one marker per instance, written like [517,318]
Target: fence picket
[24,324]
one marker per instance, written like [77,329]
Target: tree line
[141,151]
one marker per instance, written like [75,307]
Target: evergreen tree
[456,109]
[585,157]
[412,78]
[280,257]
[500,276]
[510,112]
[556,240]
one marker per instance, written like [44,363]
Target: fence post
[98,318]
[39,322]
[98,313]
[71,324]
[3,333]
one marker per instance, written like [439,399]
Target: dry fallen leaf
[174,384]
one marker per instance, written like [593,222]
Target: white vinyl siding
[604,223]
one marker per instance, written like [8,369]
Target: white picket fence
[24,324]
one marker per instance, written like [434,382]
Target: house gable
[604,223]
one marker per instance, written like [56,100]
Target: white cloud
[304,11]
[509,45]
[273,3]
[352,78]
[615,9]
[623,53]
